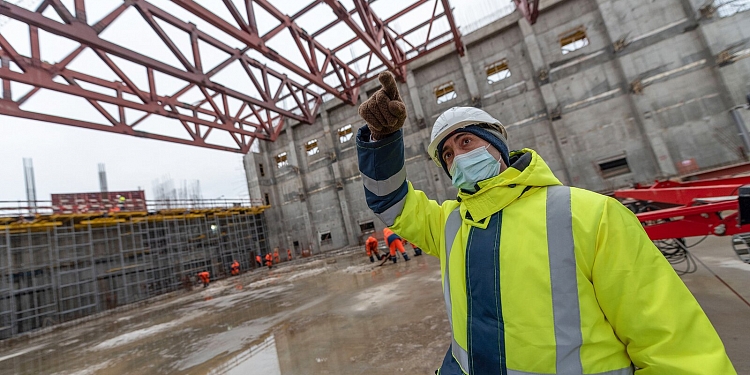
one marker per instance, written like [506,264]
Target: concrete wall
[654,85]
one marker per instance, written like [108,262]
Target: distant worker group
[394,242]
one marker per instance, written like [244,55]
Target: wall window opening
[614,167]
[268,200]
[445,92]
[281,160]
[312,147]
[261,170]
[726,8]
[345,133]
[325,238]
[573,40]
[498,71]
[367,227]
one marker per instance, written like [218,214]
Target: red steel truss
[282,87]
[529,9]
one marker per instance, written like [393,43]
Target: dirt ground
[339,315]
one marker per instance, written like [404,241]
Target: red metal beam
[308,47]
[693,221]
[456,35]
[244,126]
[685,193]
[374,35]
[260,115]
[529,9]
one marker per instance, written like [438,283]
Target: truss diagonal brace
[254,41]
[374,36]
[87,36]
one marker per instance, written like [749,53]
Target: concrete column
[346,217]
[471,79]
[691,11]
[253,184]
[414,96]
[295,163]
[657,148]
[548,95]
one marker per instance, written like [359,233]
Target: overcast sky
[65,158]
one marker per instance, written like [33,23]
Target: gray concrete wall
[654,85]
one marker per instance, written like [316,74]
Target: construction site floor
[336,315]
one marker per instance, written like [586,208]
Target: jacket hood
[528,172]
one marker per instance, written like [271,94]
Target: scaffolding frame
[58,268]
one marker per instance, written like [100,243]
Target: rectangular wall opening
[345,133]
[281,160]
[614,167]
[367,227]
[311,147]
[498,71]
[445,92]
[573,40]
[325,238]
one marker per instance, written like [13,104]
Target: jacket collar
[527,173]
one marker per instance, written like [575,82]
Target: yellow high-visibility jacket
[540,278]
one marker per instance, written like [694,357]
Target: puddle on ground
[340,315]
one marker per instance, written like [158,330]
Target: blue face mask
[474,166]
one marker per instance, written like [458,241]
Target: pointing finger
[389,85]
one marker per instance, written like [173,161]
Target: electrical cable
[699,241]
[677,254]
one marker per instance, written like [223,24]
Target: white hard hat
[457,118]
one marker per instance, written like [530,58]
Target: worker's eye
[447,155]
[466,141]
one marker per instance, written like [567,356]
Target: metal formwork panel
[135,260]
[76,276]
[105,242]
[7,314]
[196,257]
[161,266]
[34,299]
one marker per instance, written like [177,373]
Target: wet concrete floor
[339,315]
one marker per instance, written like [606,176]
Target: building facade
[609,92]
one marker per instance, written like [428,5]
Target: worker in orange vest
[204,277]
[235,268]
[417,250]
[259,260]
[288,254]
[269,260]
[276,258]
[371,245]
[394,242]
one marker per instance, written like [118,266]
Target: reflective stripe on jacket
[544,279]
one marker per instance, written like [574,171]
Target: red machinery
[674,210]
[698,207]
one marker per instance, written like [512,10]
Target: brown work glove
[384,112]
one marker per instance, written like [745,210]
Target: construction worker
[394,242]
[417,250]
[259,260]
[288,254]
[235,268]
[583,288]
[371,246]
[276,258]
[269,260]
[204,278]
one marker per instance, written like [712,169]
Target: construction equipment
[671,211]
